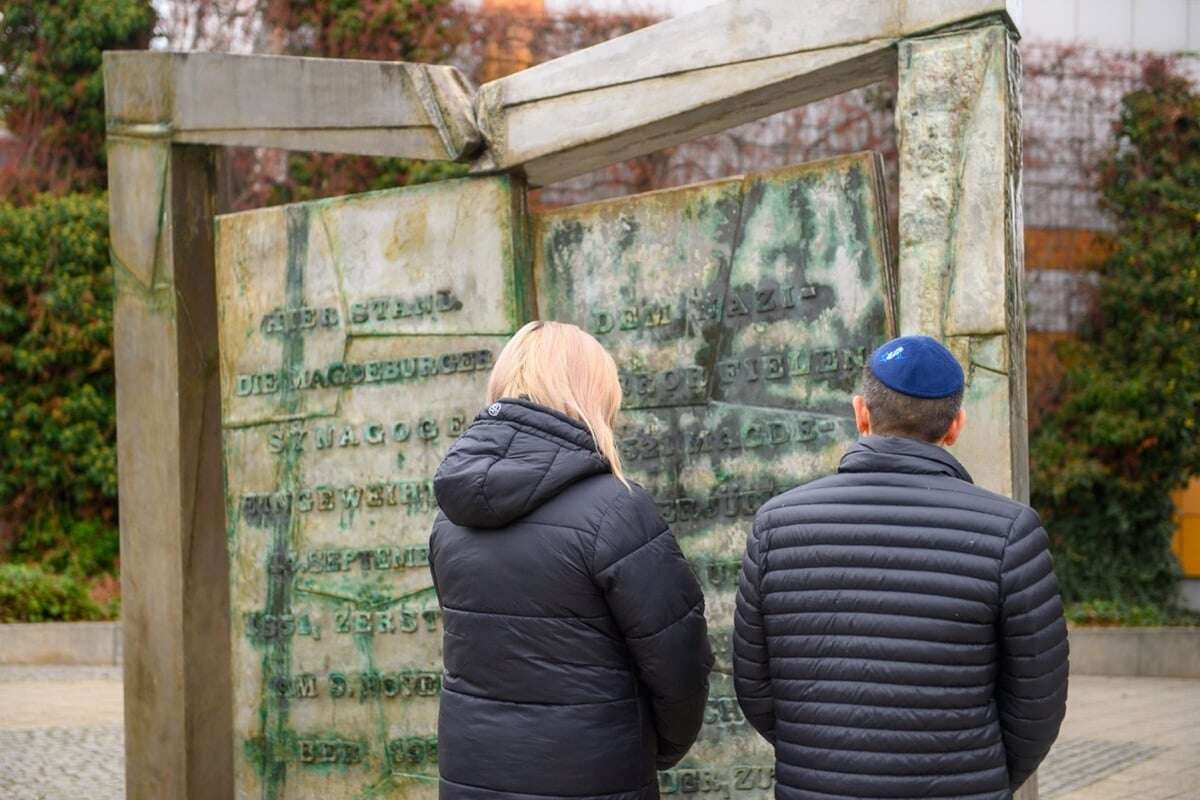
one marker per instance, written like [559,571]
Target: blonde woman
[576,653]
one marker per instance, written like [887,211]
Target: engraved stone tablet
[356,338]
[357,335]
[740,314]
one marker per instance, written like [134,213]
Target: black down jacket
[899,632]
[575,648]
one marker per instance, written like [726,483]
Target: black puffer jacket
[575,648]
[899,632]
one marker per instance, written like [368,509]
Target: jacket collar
[906,456]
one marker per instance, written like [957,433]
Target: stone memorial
[741,313]
[289,378]
[356,338]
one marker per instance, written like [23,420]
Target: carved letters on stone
[356,339]
[357,335]
[740,313]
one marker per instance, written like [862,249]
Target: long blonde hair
[560,366]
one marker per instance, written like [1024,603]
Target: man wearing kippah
[899,632]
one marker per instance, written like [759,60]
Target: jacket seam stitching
[488,473]
[855,504]
[682,617]
[635,550]
[486,699]
[760,533]
[885,752]
[954,529]
[566,618]
[599,527]
[545,474]
[843,567]
[1000,565]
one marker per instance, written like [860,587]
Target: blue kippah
[917,366]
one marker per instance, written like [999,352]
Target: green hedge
[57,425]
[30,594]
[1127,432]
[1114,613]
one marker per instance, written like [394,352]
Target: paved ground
[1124,739]
[60,734]
[1127,739]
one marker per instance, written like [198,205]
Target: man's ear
[956,426]
[862,415]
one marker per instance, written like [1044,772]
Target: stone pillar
[174,573]
[961,251]
[961,235]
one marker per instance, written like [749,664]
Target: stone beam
[378,108]
[696,74]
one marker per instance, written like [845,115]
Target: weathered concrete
[741,313]
[1189,593]
[177,700]
[1140,652]
[63,643]
[695,74]
[961,252]
[382,108]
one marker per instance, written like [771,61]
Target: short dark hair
[895,414]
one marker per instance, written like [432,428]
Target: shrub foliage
[52,86]
[1126,433]
[30,594]
[57,427]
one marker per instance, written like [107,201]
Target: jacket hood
[908,456]
[515,456]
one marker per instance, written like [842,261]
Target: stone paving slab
[1075,763]
[65,704]
[26,674]
[1158,716]
[78,763]
[1124,738]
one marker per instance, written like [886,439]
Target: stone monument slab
[740,313]
[357,336]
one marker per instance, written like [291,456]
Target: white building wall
[1158,25]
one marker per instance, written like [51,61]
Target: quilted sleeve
[751,667]
[1031,689]
[658,605]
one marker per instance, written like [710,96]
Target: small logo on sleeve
[494,409]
